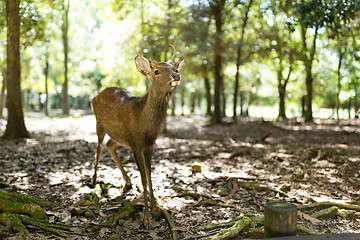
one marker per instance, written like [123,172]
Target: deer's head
[164,75]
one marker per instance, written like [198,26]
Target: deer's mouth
[175,83]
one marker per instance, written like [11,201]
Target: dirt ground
[312,162]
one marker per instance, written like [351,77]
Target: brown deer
[135,122]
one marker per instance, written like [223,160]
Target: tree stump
[280,219]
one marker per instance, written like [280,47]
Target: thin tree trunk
[65,28]
[282,87]
[208,95]
[236,87]
[341,55]
[308,61]
[46,73]
[182,102]
[2,94]
[242,103]
[142,31]
[238,59]
[223,99]
[192,107]
[15,127]
[167,30]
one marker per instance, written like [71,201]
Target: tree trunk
[242,98]
[356,105]
[282,113]
[308,100]
[217,11]
[2,94]
[46,73]
[182,96]
[192,107]
[341,55]
[238,60]
[282,84]
[208,95]
[173,105]
[308,59]
[15,127]
[236,89]
[223,99]
[65,27]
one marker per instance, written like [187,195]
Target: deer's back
[113,102]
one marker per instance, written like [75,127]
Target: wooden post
[280,219]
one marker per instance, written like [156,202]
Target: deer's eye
[157,72]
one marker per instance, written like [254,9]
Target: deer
[136,122]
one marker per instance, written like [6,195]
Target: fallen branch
[212,226]
[233,231]
[302,229]
[194,196]
[254,219]
[319,205]
[125,213]
[170,221]
[207,202]
[333,211]
[258,187]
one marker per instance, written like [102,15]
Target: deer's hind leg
[111,147]
[100,131]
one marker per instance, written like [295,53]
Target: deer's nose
[176,76]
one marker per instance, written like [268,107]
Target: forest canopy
[256,58]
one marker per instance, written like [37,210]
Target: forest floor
[312,162]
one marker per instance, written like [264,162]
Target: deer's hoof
[148,227]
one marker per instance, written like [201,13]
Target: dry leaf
[85,203]
[102,232]
[309,218]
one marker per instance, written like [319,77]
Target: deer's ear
[142,65]
[179,64]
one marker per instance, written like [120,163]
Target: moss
[30,209]
[24,199]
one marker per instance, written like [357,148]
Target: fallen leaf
[85,203]
[309,218]
[178,228]
[102,232]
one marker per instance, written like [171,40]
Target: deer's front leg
[148,154]
[140,162]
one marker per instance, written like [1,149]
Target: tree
[15,127]
[315,14]
[195,35]
[342,29]
[278,30]
[310,16]
[217,9]
[238,57]
[65,27]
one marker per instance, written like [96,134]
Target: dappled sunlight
[189,158]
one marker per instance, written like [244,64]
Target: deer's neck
[155,107]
